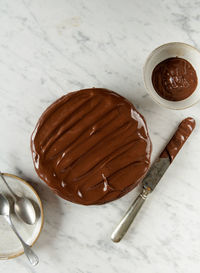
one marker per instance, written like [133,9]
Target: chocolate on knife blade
[160,166]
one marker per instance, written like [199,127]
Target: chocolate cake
[91,146]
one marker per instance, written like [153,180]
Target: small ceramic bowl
[162,53]
[10,246]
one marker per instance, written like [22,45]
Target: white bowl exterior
[162,53]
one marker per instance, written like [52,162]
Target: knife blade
[155,174]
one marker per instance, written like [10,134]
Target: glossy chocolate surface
[181,135]
[174,79]
[91,146]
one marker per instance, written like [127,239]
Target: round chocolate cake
[91,146]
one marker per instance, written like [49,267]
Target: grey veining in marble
[49,48]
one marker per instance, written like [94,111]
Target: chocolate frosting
[174,79]
[179,138]
[91,146]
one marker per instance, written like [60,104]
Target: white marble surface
[48,48]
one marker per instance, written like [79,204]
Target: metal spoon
[22,206]
[5,211]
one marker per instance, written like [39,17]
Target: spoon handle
[32,257]
[11,191]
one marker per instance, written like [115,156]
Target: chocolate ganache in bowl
[91,146]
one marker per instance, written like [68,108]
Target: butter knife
[154,175]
